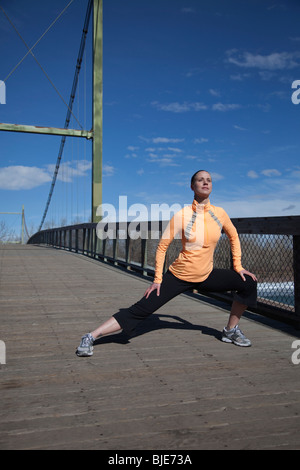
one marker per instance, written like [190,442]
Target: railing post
[144,260]
[89,242]
[104,249]
[99,247]
[296,253]
[65,238]
[83,240]
[76,240]
[94,242]
[115,250]
[127,254]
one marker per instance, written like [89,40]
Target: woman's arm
[173,228]
[236,251]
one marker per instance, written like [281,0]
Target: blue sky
[188,85]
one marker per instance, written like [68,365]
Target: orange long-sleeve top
[199,226]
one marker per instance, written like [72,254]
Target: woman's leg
[244,295]
[128,319]
[171,286]
[107,328]
[224,280]
[236,313]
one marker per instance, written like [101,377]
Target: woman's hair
[195,174]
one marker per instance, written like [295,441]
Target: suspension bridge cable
[26,229]
[39,40]
[70,107]
[38,63]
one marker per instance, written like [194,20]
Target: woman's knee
[251,283]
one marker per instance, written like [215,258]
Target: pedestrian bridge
[172,386]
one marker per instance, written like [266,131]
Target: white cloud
[194,106]
[202,140]
[165,140]
[108,170]
[132,148]
[265,207]
[266,75]
[163,149]
[252,174]
[83,166]
[214,92]
[269,196]
[160,140]
[192,72]
[179,107]
[271,172]
[19,177]
[163,161]
[224,107]
[69,170]
[274,61]
[175,150]
[132,155]
[239,76]
[188,10]
[216,177]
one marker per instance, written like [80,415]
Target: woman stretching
[199,226]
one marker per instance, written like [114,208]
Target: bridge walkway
[172,386]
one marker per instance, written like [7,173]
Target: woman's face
[202,184]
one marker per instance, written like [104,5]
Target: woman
[200,226]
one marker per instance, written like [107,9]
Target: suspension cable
[38,63]
[70,107]
[26,229]
[44,34]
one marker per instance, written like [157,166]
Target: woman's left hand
[244,271]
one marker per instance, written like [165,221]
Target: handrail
[276,241]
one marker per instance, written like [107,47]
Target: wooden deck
[173,386]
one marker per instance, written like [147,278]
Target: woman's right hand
[152,288]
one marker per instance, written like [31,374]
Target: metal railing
[270,249]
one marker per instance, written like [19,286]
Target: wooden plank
[172,386]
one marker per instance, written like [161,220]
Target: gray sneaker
[85,349]
[235,336]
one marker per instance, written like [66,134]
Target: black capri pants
[219,280]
